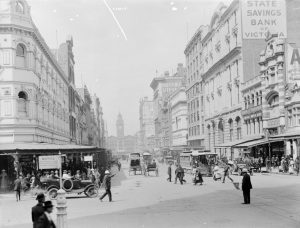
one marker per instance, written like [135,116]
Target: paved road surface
[140,201]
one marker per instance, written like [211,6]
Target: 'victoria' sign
[259,18]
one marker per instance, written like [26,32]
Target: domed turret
[16,12]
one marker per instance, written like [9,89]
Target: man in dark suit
[246,186]
[38,209]
[45,220]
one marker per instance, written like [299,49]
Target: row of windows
[253,100]
[48,77]
[195,130]
[194,117]
[294,117]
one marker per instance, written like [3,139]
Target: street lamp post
[61,201]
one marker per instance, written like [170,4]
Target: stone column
[288,147]
[295,149]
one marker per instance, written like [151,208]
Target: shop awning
[287,135]
[34,148]
[236,142]
[256,143]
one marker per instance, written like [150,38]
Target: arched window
[260,96]
[230,123]
[22,102]
[21,55]
[238,128]
[221,131]
[19,7]
[273,100]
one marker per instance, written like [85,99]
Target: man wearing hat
[107,185]
[45,220]
[246,186]
[38,209]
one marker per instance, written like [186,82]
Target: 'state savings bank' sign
[262,17]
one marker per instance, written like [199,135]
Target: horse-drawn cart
[135,163]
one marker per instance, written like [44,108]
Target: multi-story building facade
[162,88]
[228,60]
[66,61]
[34,100]
[194,90]
[87,117]
[272,101]
[178,110]
[146,132]
[98,113]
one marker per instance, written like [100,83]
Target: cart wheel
[91,192]
[52,193]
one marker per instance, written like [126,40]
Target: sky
[121,45]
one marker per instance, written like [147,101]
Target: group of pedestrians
[41,213]
[197,178]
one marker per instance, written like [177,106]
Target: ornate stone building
[34,102]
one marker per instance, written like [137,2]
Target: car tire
[52,193]
[91,192]
[67,185]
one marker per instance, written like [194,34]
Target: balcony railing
[252,110]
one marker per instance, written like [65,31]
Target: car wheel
[52,193]
[92,192]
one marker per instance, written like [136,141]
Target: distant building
[178,110]
[147,131]
[120,134]
[162,88]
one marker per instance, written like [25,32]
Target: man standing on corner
[107,185]
[38,209]
[246,186]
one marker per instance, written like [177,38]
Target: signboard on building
[293,64]
[49,162]
[261,17]
[88,158]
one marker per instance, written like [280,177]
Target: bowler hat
[245,170]
[48,204]
[40,196]
[106,172]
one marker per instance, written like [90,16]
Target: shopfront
[23,159]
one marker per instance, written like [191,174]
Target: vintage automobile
[51,187]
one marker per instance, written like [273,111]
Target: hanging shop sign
[263,17]
[49,162]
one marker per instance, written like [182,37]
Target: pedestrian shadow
[117,180]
